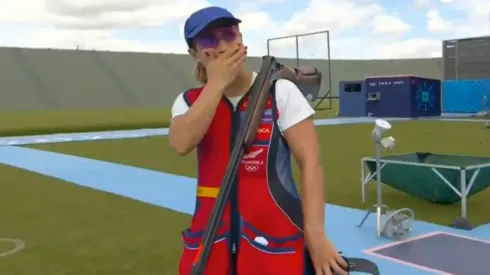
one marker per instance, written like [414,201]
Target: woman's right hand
[223,68]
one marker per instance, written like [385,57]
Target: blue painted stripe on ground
[177,193]
[149,186]
[70,137]
[161,189]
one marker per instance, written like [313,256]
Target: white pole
[463,192]
[363,187]
[379,201]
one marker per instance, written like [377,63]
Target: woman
[266,226]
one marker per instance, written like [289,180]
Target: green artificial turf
[70,230]
[342,148]
[41,122]
[78,231]
[21,123]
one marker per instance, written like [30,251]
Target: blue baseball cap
[200,19]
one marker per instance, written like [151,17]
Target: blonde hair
[200,73]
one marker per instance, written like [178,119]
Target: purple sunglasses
[211,38]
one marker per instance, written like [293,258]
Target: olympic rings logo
[251,168]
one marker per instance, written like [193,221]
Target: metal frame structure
[462,193]
[328,95]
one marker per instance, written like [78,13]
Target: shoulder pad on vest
[191,95]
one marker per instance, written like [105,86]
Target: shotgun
[270,71]
[259,93]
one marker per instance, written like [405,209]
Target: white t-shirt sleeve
[179,107]
[291,104]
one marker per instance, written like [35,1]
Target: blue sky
[358,28]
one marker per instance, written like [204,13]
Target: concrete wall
[44,78]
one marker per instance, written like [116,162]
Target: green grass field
[341,147]
[69,230]
[40,122]
[78,231]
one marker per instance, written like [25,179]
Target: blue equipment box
[403,96]
[352,98]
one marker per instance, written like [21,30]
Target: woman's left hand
[325,258]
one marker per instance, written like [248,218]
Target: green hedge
[23,123]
